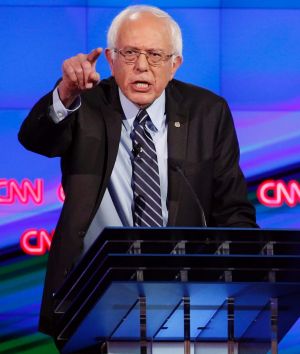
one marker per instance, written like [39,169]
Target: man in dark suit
[91,125]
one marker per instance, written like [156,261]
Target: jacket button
[81,234]
[66,272]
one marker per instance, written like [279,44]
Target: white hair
[136,9]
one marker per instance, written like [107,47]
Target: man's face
[140,82]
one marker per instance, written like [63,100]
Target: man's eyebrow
[130,47]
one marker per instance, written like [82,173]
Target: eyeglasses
[154,57]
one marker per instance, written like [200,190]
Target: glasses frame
[147,53]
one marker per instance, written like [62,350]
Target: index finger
[94,55]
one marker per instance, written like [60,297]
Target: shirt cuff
[58,111]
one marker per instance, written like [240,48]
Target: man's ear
[177,61]
[109,58]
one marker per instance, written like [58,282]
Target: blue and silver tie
[147,209]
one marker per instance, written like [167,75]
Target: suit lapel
[114,124]
[113,121]
[177,146]
[112,113]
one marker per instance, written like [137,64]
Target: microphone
[203,219]
[136,149]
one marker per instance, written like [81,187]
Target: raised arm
[43,134]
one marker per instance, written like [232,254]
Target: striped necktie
[147,209]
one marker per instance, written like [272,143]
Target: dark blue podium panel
[116,316]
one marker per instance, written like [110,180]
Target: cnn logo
[36,242]
[275,193]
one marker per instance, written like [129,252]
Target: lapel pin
[177,124]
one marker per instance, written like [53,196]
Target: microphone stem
[187,182]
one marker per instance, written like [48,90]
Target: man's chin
[142,100]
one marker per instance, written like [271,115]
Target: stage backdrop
[246,51]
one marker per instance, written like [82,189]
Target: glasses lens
[155,57]
[130,55]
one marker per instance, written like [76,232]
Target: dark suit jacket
[204,146]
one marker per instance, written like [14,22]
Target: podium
[181,290]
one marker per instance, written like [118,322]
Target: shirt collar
[156,110]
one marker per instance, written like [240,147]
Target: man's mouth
[141,85]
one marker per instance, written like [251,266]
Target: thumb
[94,77]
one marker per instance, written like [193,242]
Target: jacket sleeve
[231,207]
[40,134]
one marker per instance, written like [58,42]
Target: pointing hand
[79,74]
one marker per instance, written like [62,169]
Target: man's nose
[142,62]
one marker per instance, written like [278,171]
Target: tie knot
[141,118]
